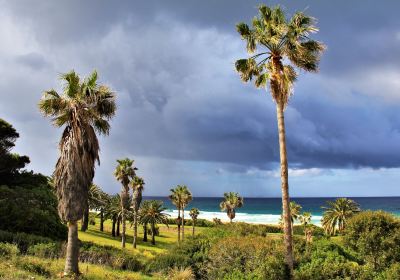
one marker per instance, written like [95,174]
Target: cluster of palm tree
[231,201]
[180,196]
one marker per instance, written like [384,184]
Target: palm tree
[180,197]
[143,209]
[231,201]
[337,213]
[105,198]
[295,210]
[94,202]
[124,173]
[305,220]
[194,213]
[84,108]
[137,185]
[279,40]
[153,215]
[112,211]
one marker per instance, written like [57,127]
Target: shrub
[8,250]
[45,250]
[255,257]
[22,240]
[375,237]
[110,256]
[34,267]
[392,273]
[316,230]
[180,274]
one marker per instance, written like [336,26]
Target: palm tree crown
[125,171]
[194,213]
[337,213]
[84,108]
[295,210]
[231,201]
[278,38]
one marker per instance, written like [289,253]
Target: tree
[153,214]
[337,213]
[137,185]
[124,173]
[112,211]
[295,210]
[105,201]
[143,209]
[231,201]
[83,108]
[279,40]
[194,213]
[180,197]
[95,201]
[305,220]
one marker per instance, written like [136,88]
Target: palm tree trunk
[153,234]
[118,225]
[193,229]
[85,220]
[179,225]
[123,221]
[134,229]
[287,230]
[114,221]
[183,223]
[101,219]
[71,259]
[145,232]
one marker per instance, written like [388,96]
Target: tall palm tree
[186,198]
[177,198]
[84,109]
[124,172]
[194,213]
[231,201]
[337,213]
[154,214]
[279,40]
[137,185]
[94,202]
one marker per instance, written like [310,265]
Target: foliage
[337,213]
[22,240]
[180,274]
[256,257]
[34,267]
[231,201]
[375,237]
[8,250]
[50,250]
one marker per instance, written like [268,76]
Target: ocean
[268,210]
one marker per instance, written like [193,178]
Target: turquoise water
[268,210]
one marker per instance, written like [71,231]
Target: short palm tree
[180,196]
[305,220]
[112,211]
[137,185]
[272,41]
[295,210]
[231,201]
[143,209]
[337,213]
[105,198]
[124,172]
[194,213]
[84,109]
[154,214]
[94,202]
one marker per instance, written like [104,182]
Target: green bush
[375,237]
[34,267]
[391,273]
[8,250]
[108,255]
[22,240]
[316,230]
[255,257]
[45,250]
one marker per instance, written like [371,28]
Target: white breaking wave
[271,219]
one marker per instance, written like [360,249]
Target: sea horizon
[267,210]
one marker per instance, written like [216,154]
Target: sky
[183,114]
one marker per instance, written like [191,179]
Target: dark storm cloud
[171,63]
